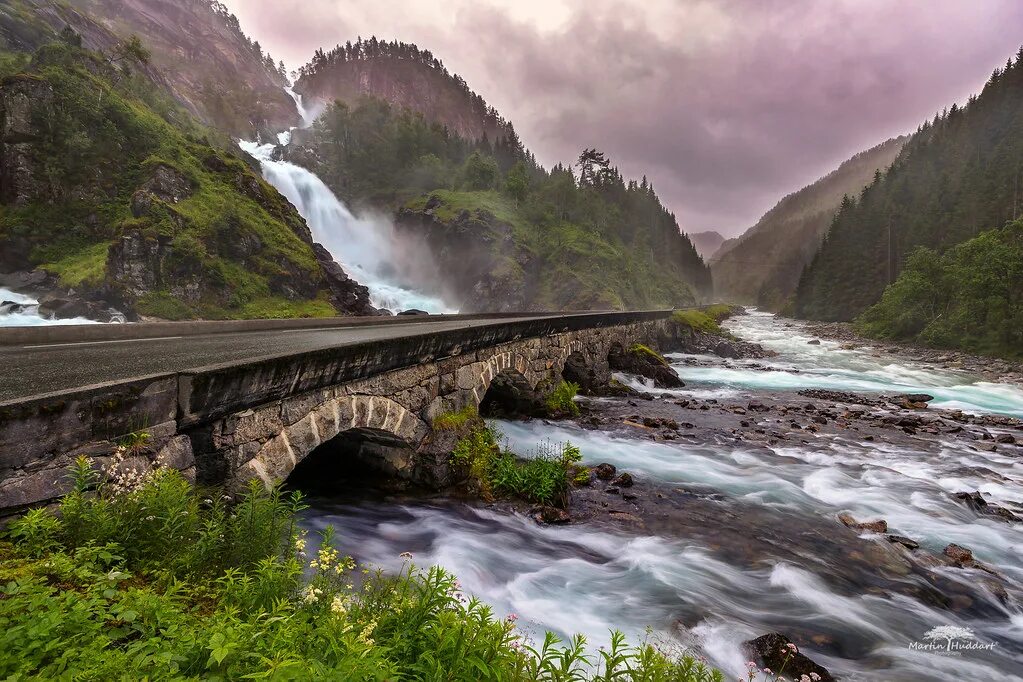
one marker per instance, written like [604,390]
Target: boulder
[975,501]
[624,480]
[605,471]
[878,526]
[775,651]
[959,554]
[641,361]
[413,312]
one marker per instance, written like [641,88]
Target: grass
[456,421]
[154,579]
[647,352]
[101,137]
[697,320]
[561,402]
[542,478]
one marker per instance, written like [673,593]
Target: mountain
[404,76]
[496,230]
[706,243]
[117,197]
[211,66]
[959,176]
[763,265]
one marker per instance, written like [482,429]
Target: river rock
[902,540]
[977,503]
[879,526]
[814,342]
[959,554]
[604,471]
[624,480]
[645,364]
[773,651]
[413,312]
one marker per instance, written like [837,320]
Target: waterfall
[366,246]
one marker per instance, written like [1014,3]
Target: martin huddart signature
[950,640]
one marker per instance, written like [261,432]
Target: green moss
[105,134]
[697,321]
[86,267]
[647,352]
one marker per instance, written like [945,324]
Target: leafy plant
[228,592]
[561,401]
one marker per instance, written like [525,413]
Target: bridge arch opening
[510,394]
[357,457]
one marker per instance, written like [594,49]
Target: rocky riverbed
[847,499]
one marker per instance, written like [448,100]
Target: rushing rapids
[731,539]
[21,310]
[365,246]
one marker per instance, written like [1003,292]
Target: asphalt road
[36,369]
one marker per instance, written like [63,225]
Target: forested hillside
[121,199]
[507,233]
[960,175]
[763,265]
[405,76]
[971,297]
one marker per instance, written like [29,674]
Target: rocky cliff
[122,206]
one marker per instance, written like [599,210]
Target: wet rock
[879,526]
[552,515]
[413,312]
[908,543]
[645,363]
[977,503]
[959,554]
[612,490]
[1006,438]
[814,342]
[624,480]
[775,651]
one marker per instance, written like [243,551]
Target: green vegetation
[707,320]
[560,403]
[958,176]
[158,581]
[208,224]
[762,266]
[455,421]
[970,298]
[596,241]
[543,477]
[647,352]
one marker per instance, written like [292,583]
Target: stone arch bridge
[258,419]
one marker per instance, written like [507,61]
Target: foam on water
[30,317]
[801,365]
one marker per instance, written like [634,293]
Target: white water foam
[26,314]
[801,365]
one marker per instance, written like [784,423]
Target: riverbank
[995,369]
[735,522]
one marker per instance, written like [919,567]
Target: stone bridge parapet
[259,419]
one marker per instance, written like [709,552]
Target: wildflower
[792,647]
[804,678]
[768,671]
[337,605]
[512,617]
[407,556]
[751,665]
[815,677]
[311,594]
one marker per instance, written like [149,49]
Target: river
[759,548]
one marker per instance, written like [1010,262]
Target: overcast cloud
[726,105]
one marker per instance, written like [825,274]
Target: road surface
[36,369]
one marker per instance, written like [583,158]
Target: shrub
[561,402]
[248,603]
[542,477]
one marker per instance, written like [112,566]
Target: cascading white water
[366,246]
[19,310]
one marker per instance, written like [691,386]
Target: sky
[726,105]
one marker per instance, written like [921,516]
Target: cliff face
[210,65]
[405,77]
[121,207]
[763,266]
